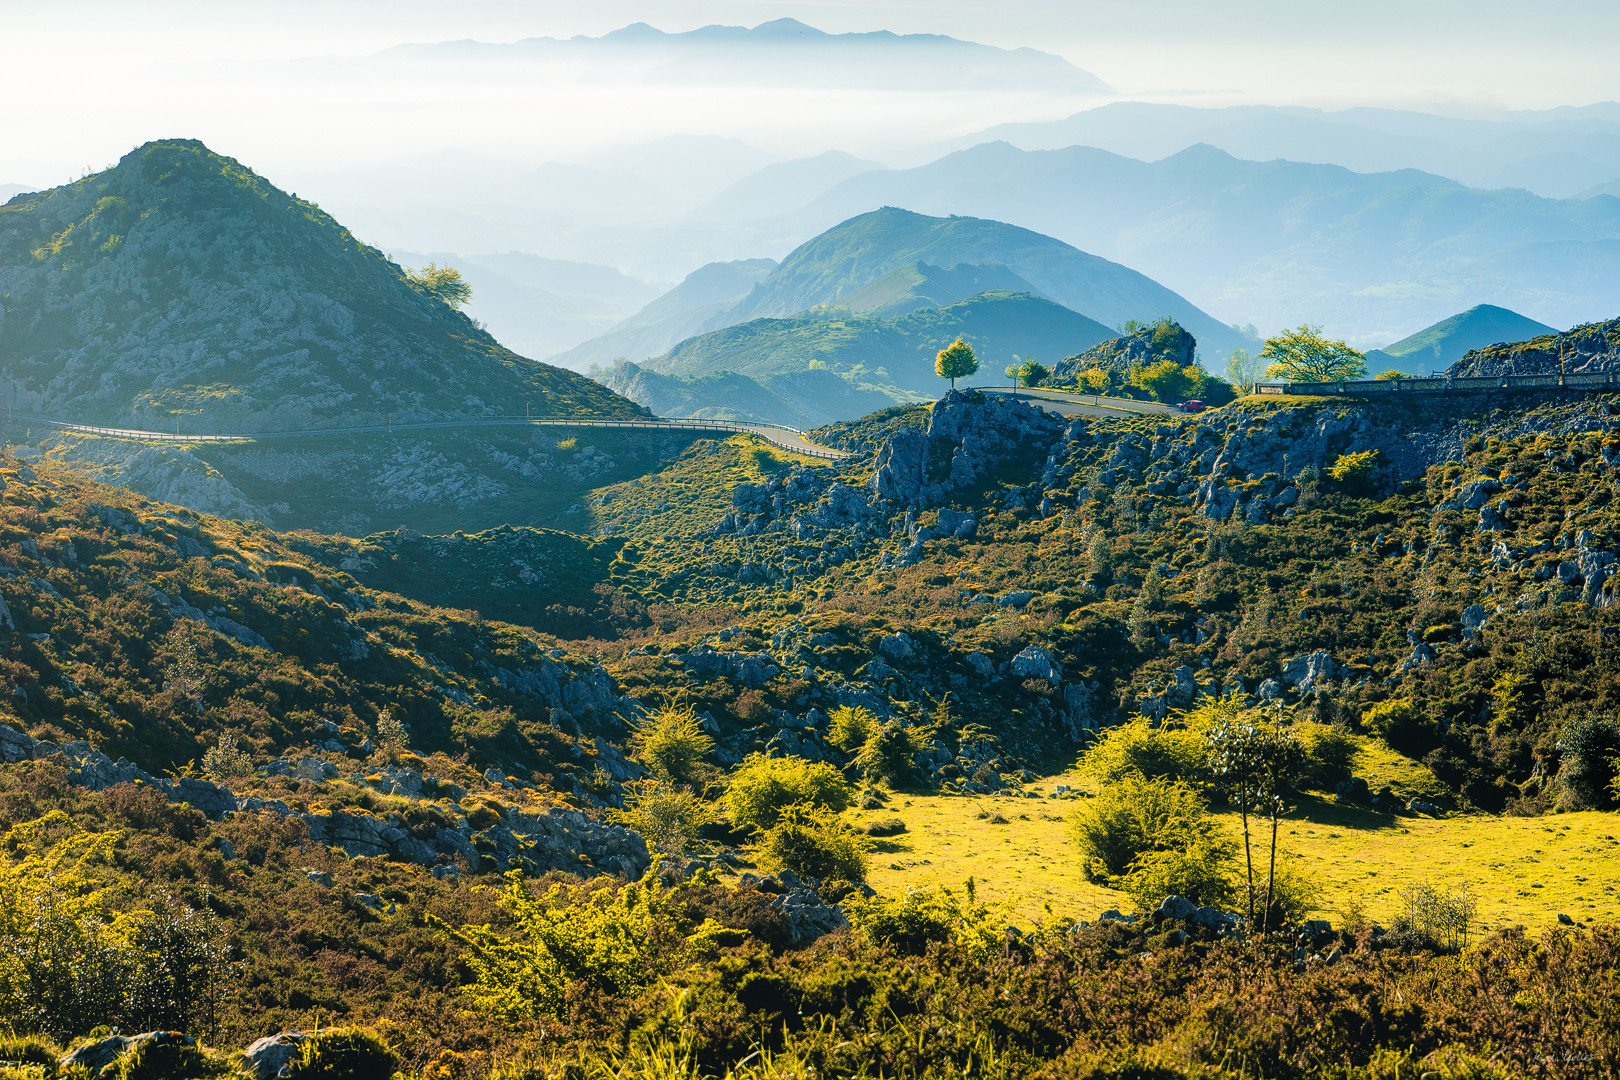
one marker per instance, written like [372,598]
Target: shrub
[183,964]
[1436,916]
[890,754]
[851,727]
[813,844]
[922,916]
[1201,872]
[614,940]
[1138,747]
[1332,751]
[665,815]
[1588,747]
[1133,816]
[168,1056]
[343,1054]
[1355,469]
[226,760]
[1400,724]
[763,787]
[672,743]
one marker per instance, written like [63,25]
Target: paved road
[1082,404]
[787,438]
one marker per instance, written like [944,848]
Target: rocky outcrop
[968,434]
[1594,347]
[1144,346]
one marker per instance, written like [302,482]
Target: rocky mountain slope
[1595,347]
[179,287]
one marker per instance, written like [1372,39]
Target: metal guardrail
[767,432]
[1585,381]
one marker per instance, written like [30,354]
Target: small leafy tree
[1235,752]
[813,843]
[666,815]
[1304,355]
[672,744]
[1096,380]
[762,789]
[955,361]
[616,940]
[1243,368]
[443,283]
[1166,380]
[1391,375]
[1028,372]
[1589,747]
[393,737]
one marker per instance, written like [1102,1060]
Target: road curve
[788,438]
[1055,401]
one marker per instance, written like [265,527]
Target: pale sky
[85,80]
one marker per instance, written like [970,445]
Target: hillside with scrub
[1274,740]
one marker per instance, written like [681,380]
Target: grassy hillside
[1437,347]
[893,353]
[181,287]
[851,255]
[921,285]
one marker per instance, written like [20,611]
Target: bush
[664,814]
[922,916]
[672,743]
[1354,470]
[1201,872]
[1136,746]
[226,760]
[1133,816]
[890,754]
[1589,747]
[813,844]
[1332,751]
[168,1056]
[1435,916]
[1400,724]
[763,787]
[343,1054]
[851,727]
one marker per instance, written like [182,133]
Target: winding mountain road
[788,438]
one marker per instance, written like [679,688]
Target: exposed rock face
[1595,347]
[968,434]
[1148,345]
[179,282]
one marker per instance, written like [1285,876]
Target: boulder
[1015,598]
[808,916]
[897,646]
[1306,671]
[1036,663]
[267,1058]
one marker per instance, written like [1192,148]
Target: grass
[1523,870]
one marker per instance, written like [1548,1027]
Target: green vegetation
[762,789]
[443,283]
[1304,355]
[671,742]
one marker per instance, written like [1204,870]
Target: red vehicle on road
[1192,406]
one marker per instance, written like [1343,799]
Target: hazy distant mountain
[851,255]
[896,354]
[783,52]
[802,399]
[707,292]
[179,286]
[1555,153]
[1612,189]
[1437,347]
[536,306]
[782,186]
[1277,242]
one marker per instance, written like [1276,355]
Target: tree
[955,361]
[443,283]
[1028,372]
[672,743]
[667,815]
[1392,375]
[1167,380]
[1304,355]
[1242,368]
[763,788]
[1095,379]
